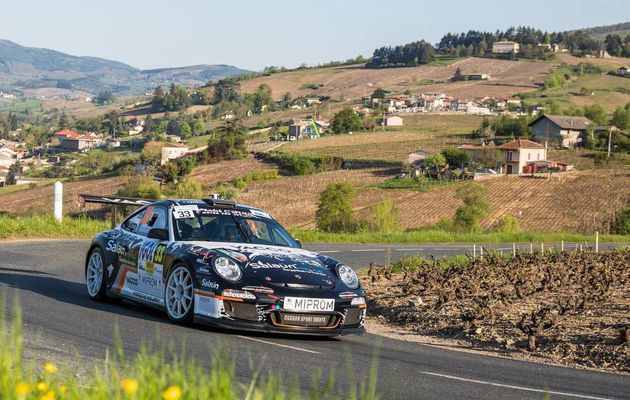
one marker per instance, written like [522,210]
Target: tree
[64,121]
[384,219]
[346,120]
[334,211]
[14,171]
[621,118]
[104,97]
[226,90]
[458,76]
[434,162]
[456,157]
[488,156]
[596,113]
[379,94]
[188,189]
[614,45]
[475,208]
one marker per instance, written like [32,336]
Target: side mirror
[158,233]
[298,242]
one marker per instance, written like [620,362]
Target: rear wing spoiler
[114,201]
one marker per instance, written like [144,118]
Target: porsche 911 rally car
[223,264]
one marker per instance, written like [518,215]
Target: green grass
[421,185]
[155,374]
[442,236]
[47,227]
[21,106]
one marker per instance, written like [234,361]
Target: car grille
[353,316]
[301,286]
[241,310]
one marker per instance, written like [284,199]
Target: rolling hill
[28,67]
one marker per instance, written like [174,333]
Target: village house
[559,130]
[228,115]
[477,77]
[73,141]
[417,157]
[307,128]
[623,71]
[171,151]
[505,47]
[518,153]
[136,128]
[392,120]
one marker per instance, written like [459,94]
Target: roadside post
[596,241]
[562,245]
[513,249]
[58,201]
[474,250]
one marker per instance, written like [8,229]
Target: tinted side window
[147,219]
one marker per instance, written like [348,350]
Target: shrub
[188,189]
[303,166]
[385,218]
[334,211]
[346,120]
[225,191]
[622,225]
[475,208]
[142,187]
[507,224]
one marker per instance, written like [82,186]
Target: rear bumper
[264,327]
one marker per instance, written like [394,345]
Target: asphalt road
[359,255]
[47,277]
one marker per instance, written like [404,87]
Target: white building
[505,47]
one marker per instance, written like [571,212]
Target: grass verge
[441,236]
[47,227]
[152,374]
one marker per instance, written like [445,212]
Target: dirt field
[40,200]
[507,79]
[581,201]
[613,62]
[570,308]
[224,171]
[293,200]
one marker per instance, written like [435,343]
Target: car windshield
[228,225]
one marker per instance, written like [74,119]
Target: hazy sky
[253,34]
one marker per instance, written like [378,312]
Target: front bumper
[252,326]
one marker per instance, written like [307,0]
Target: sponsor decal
[151,251]
[308,304]
[150,281]
[235,255]
[131,279]
[204,254]
[147,214]
[115,247]
[146,297]
[208,306]
[110,270]
[287,268]
[259,289]
[258,213]
[209,284]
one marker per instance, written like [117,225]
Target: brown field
[507,79]
[582,201]
[420,131]
[293,200]
[224,171]
[40,200]
[613,62]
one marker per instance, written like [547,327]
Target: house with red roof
[71,140]
[518,153]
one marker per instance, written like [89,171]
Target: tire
[95,279]
[179,299]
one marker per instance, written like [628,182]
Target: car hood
[275,265]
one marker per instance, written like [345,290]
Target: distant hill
[600,32]
[28,67]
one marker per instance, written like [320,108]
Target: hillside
[507,78]
[600,32]
[28,67]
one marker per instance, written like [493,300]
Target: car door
[140,269]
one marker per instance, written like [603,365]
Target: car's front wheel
[95,275]
[179,294]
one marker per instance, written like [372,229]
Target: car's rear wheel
[95,275]
[179,294]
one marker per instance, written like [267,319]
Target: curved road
[47,277]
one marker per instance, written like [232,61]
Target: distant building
[505,47]
[73,141]
[477,77]
[518,153]
[419,156]
[306,128]
[393,120]
[171,151]
[559,130]
[623,71]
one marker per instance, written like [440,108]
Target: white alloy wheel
[94,274]
[178,294]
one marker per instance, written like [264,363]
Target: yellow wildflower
[42,386]
[63,389]
[172,393]
[22,390]
[130,386]
[50,368]
[50,395]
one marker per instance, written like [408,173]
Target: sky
[254,34]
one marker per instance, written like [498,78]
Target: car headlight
[227,269]
[348,276]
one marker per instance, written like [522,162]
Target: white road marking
[527,389]
[279,345]
[362,250]
[329,251]
[416,249]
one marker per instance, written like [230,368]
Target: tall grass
[47,227]
[153,375]
[443,236]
